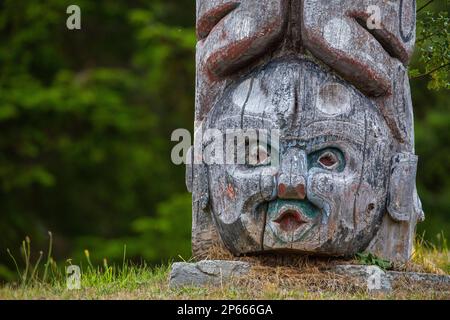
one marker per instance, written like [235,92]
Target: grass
[271,277]
[434,258]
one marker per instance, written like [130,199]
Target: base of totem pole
[221,272]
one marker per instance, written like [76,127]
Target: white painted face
[328,192]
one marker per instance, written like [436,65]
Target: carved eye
[330,159]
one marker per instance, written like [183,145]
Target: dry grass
[307,277]
[271,277]
[302,281]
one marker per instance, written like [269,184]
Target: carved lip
[291,219]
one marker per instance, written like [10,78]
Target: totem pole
[328,82]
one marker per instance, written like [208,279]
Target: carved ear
[197,180]
[189,170]
[204,233]
[403,201]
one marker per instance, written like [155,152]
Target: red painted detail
[358,72]
[328,160]
[212,17]
[389,41]
[284,192]
[290,221]
[281,190]
[227,60]
[231,193]
[301,191]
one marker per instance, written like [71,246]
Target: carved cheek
[368,206]
[240,194]
[217,187]
[328,191]
[323,184]
[321,191]
[268,185]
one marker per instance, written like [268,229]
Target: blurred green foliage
[431,98]
[433,42]
[86,118]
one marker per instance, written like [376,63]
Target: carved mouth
[290,220]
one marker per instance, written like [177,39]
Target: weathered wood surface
[338,94]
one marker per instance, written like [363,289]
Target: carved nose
[293,188]
[291,181]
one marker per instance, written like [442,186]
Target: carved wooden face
[335,178]
[327,193]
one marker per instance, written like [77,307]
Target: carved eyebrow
[388,41]
[209,19]
[259,122]
[348,131]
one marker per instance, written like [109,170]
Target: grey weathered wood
[314,71]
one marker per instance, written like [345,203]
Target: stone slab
[379,280]
[212,272]
[217,272]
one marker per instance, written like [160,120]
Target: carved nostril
[301,191]
[282,190]
[291,187]
[289,192]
